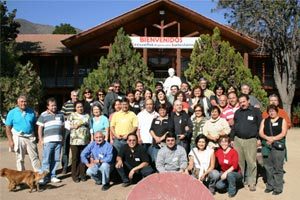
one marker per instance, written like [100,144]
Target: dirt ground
[67,189]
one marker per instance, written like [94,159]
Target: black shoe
[83,179]
[76,180]
[126,184]
[105,187]
[276,193]
[268,190]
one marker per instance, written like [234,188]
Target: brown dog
[15,177]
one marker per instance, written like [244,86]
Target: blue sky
[87,14]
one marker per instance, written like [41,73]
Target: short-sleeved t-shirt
[52,124]
[22,122]
[135,156]
[124,122]
[99,125]
[160,127]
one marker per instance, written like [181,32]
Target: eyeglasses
[117,86]
[198,110]
[86,92]
[101,94]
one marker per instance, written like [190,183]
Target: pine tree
[26,82]
[218,62]
[122,63]
[64,29]
[15,79]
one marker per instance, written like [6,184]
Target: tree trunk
[287,108]
[285,78]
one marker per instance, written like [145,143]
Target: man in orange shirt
[274,99]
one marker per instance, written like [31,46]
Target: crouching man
[172,157]
[97,156]
[132,159]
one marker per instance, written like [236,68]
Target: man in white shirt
[145,119]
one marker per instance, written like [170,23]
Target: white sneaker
[55,180]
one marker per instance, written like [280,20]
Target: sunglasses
[86,92]
[101,95]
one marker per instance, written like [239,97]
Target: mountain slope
[28,27]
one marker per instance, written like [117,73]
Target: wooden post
[145,51]
[55,70]
[263,73]
[178,55]
[246,59]
[162,22]
[75,71]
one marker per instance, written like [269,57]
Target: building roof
[42,43]
[143,16]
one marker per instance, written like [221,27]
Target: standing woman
[199,98]
[215,127]
[198,120]
[147,95]
[201,160]
[79,138]
[273,131]
[99,122]
[161,98]
[100,98]
[219,90]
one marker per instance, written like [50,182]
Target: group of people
[211,135]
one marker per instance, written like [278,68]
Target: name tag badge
[119,97]
[250,118]
[136,106]
[175,159]
[179,121]
[226,161]
[57,118]
[137,159]
[156,122]
[275,124]
[100,155]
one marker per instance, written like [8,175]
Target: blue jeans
[118,144]
[99,172]
[153,151]
[51,157]
[229,183]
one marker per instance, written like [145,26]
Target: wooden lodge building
[62,61]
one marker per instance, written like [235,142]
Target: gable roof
[93,36]
[42,43]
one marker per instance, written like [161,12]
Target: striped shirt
[68,108]
[228,112]
[52,126]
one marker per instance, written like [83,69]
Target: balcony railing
[54,82]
